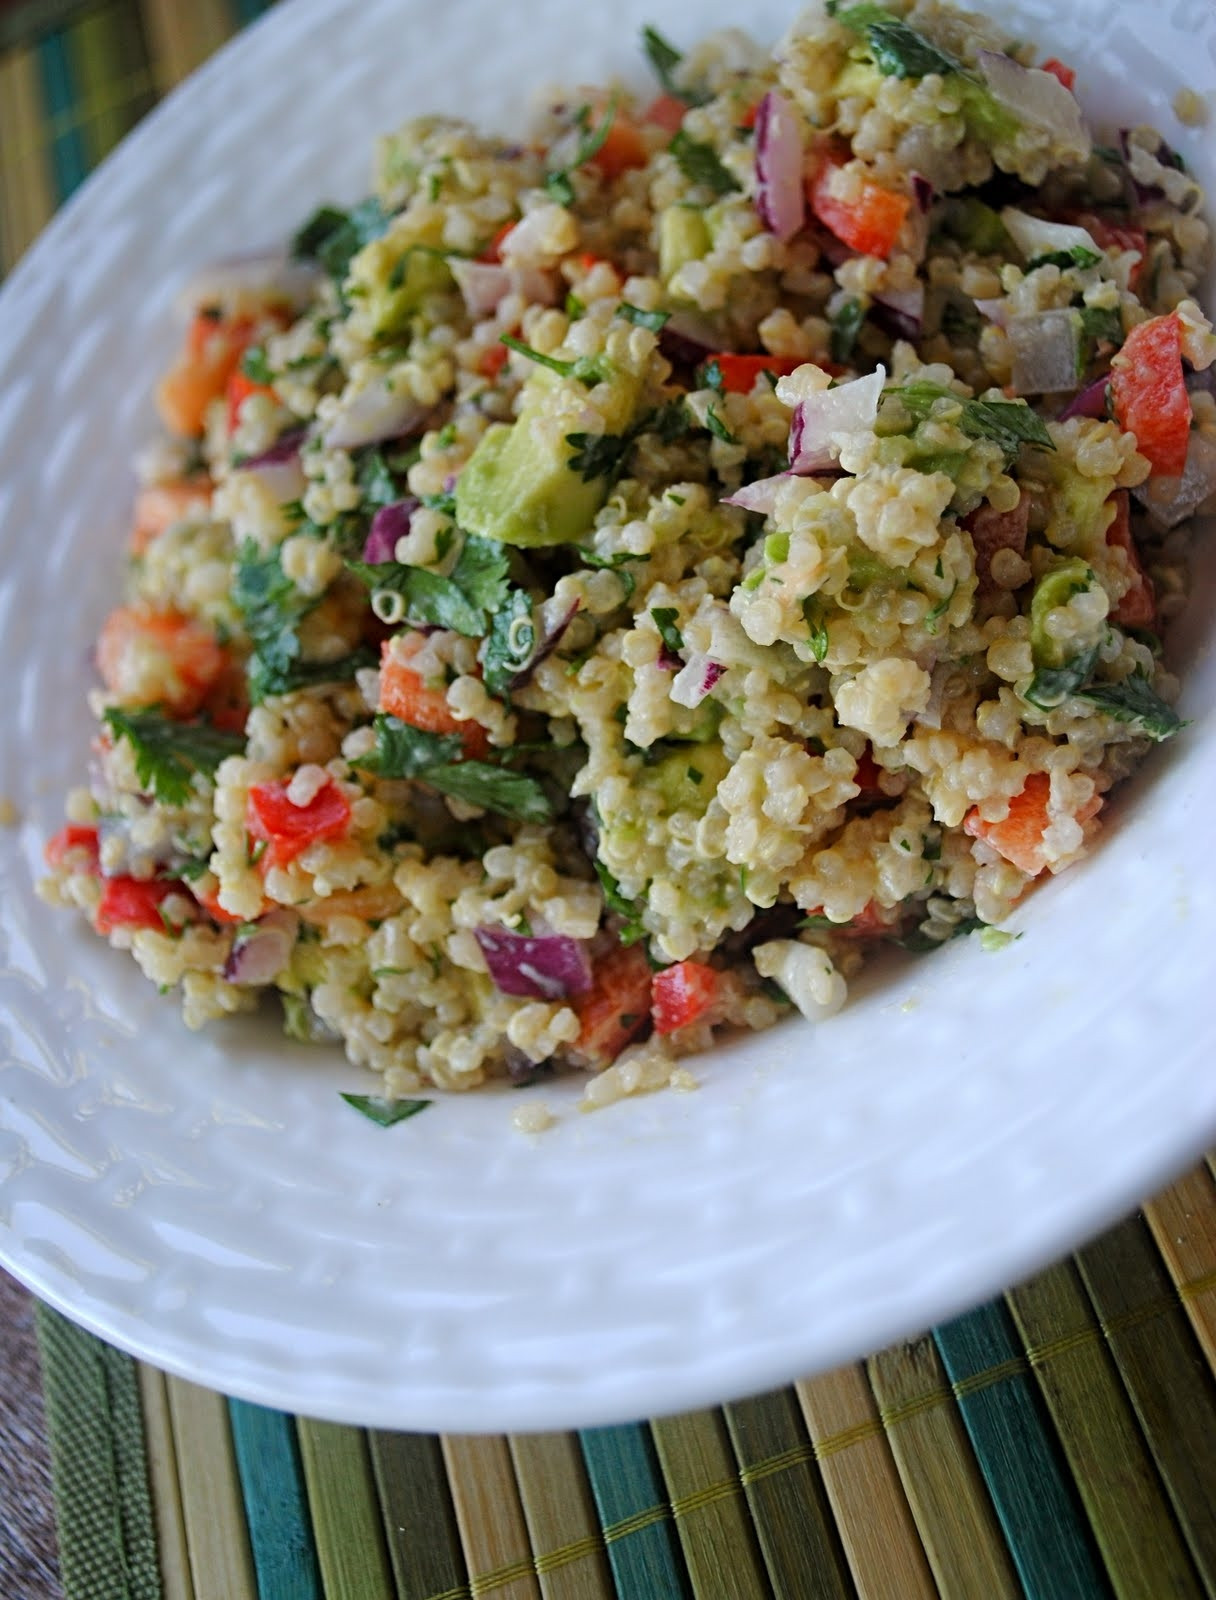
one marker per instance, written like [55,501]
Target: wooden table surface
[28,1565]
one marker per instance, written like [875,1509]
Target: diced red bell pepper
[493,251]
[868,772]
[209,899]
[683,993]
[492,360]
[616,1005]
[871,922]
[133,903]
[1150,393]
[1066,75]
[667,112]
[1138,607]
[861,213]
[73,838]
[1019,837]
[406,695]
[289,829]
[739,372]
[623,148]
[240,387]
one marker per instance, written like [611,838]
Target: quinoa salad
[595,591]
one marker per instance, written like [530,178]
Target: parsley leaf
[375,478]
[598,455]
[1008,423]
[846,325]
[333,238]
[654,320]
[900,52]
[1136,701]
[481,571]
[557,184]
[255,365]
[587,369]
[700,163]
[1051,685]
[169,755]
[812,610]
[1102,324]
[664,618]
[717,427]
[405,752]
[1078,255]
[385,1113]
[617,563]
[665,58]
[272,609]
[631,930]
[428,597]
[510,642]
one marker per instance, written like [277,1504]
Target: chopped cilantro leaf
[664,618]
[557,184]
[385,1113]
[375,478]
[900,51]
[170,755]
[1078,255]
[333,238]
[1136,701]
[1009,423]
[617,563]
[1051,685]
[700,163]
[665,58]
[255,365]
[272,609]
[587,369]
[710,376]
[428,597]
[654,320]
[631,930]
[718,428]
[405,752]
[598,455]
[510,642]
[1103,324]
[812,610]
[846,325]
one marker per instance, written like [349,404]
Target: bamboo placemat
[1059,1443]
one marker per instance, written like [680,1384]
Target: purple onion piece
[1044,345]
[388,525]
[900,312]
[682,349]
[923,193]
[549,967]
[820,416]
[1091,402]
[760,495]
[285,447]
[1170,501]
[668,660]
[546,647]
[1035,97]
[259,955]
[1164,153]
[695,680]
[780,200]
[376,414]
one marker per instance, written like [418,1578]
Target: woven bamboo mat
[1059,1443]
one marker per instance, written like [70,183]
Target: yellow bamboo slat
[171,1542]
[876,1525]
[221,1562]
[1183,1220]
[560,1513]
[490,1516]
[27,190]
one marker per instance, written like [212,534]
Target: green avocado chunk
[1054,588]
[520,487]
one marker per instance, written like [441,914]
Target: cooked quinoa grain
[605,586]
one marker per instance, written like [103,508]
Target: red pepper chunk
[289,829]
[1138,607]
[683,993]
[667,112]
[72,838]
[1150,394]
[860,212]
[133,903]
[739,373]
[240,387]
[616,1006]
[1066,75]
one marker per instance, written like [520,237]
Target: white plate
[208,1203]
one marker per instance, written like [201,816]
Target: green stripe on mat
[1049,1539]
[1144,1552]
[716,1532]
[110,64]
[107,1538]
[345,1511]
[633,1512]
[1164,1372]
[785,1496]
[276,1502]
[419,1521]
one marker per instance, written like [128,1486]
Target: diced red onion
[1035,236]
[995,310]
[923,192]
[780,199]
[1036,97]
[668,661]
[272,278]
[482,284]
[549,967]
[900,312]
[686,341]
[1170,501]
[695,680]
[820,418]
[390,524]
[1164,155]
[259,955]
[547,646]
[1044,346]
[377,412]
[759,496]
[279,469]
[1091,402]
[285,448]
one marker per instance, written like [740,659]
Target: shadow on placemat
[28,1566]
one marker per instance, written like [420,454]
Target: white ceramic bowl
[209,1203]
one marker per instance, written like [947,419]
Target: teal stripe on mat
[634,1514]
[68,158]
[247,11]
[276,1503]
[103,1505]
[1049,1538]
